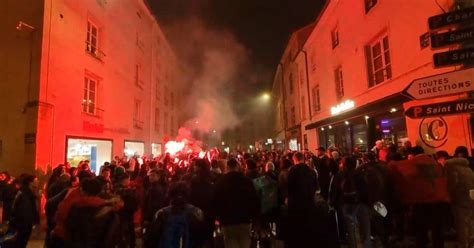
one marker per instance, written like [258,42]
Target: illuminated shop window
[90,96]
[134,148]
[96,151]
[137,114]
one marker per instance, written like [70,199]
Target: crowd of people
[324,198]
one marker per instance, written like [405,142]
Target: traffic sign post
[444,84]
[441,109]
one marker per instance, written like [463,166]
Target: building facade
[360,56]
[289,92]
[84,80]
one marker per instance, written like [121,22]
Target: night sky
[263,26]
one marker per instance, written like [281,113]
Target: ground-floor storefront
[384,119]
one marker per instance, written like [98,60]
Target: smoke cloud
[213,65]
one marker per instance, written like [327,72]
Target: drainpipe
[284,104]
[307,85]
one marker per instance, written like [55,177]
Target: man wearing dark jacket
[25,210]
[303,218]
[326,167]
[155,196]
[236,205]
[91,226]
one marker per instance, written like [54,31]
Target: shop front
[362,126]
[96,151]
[134,148]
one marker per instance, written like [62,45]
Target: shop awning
[377,106]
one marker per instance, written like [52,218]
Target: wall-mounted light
[346,122]
[366,117]
[393,110]
[330,127]
[322,129]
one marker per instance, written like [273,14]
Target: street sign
[441,109]
[454,57]
[448,38]
[454,17]
[444,84]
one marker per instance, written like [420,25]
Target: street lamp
[266,96]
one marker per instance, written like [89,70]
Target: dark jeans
[429,217]
[23,235]
[357,216]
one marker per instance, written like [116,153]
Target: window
[335,37]
[339,82]
[157,119]
[369,4]
[138,74]
[316,99]
[92,41]
[165,94]
[293,116]
[90,96]
[137,114]
[378,61]
[291,79]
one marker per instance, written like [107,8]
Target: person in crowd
[267,190]
[201,196]
[441,157]
[8,196]
[75,197]
[323,166]
[129,197]
[460,183]
[57,187]
[373,192]
[406,149]
[57,172]
[25,211]
[252,169]
[52,204]
[236,206]
[354,196]
[216,171]
[155,196]
[91,226]
[177,225]
[393,154]
[380,150]
[303,222]
[105,178]
[423,186]
[461,151]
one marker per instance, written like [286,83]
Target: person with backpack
[177,225]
